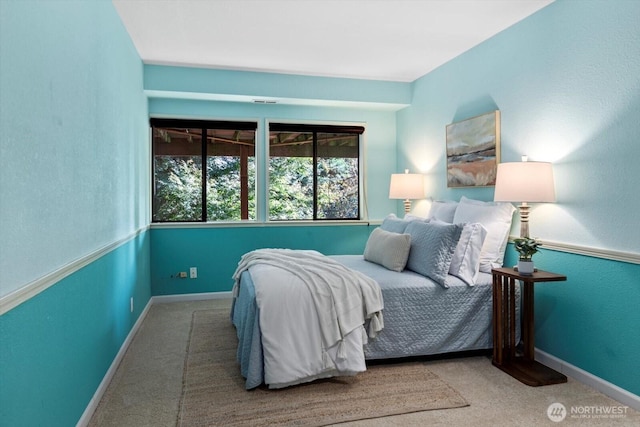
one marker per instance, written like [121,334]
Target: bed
[301,316]
[427,311]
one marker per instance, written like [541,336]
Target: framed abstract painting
[473,151]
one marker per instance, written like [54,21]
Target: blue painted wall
[591,320]
[216,251]
[74,178]
[74,159]
[57,346]
[567,83]
[203,83]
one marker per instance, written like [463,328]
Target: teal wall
[216,251]
[74,179]
[73,147]
[57,346]
[567,83]
[202,83]
[591,320]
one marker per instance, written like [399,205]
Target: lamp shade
[406,186]
[525,182]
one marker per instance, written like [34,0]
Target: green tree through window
[313,171]
[188,169]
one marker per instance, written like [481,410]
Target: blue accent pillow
[432,248]
[394,224]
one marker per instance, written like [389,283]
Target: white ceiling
[396,40]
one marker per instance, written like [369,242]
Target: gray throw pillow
[388,249]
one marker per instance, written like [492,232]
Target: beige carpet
[213,389]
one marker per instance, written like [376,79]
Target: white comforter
[312,311]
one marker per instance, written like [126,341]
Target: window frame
[315,128]
[204,126]
[262,129]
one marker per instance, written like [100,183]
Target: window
[314,172]
[206,171]
[203,170]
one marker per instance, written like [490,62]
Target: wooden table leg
[497,321]
[512,318]
[528,332]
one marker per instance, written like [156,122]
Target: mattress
[420,317]
[423,318]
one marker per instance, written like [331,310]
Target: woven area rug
[213,392]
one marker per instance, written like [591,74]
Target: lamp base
[407,206]
[524,219]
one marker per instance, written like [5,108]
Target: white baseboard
[191,297]
[102,388]
[613,391]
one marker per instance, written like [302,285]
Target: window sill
[233,224]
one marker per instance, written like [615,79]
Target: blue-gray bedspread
[420,317]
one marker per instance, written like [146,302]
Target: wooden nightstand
[520,366]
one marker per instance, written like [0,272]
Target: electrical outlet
[183,274]
[193,272]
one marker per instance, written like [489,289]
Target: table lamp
[525,182]
[406,186]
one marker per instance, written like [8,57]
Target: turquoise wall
[74,179]
[591,319]
[74,154]
[57,346]
[216,251]
[202,83]
[567,83]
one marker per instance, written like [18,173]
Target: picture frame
[473,151]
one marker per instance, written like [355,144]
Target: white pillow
[495,217]
[443,210]
[465,263]
[388,249]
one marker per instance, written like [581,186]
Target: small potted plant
[526,247]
